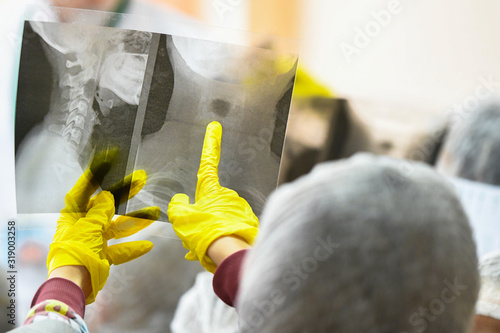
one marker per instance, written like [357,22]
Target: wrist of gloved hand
[71,253]
[204,239]
[223,247]
[79,275]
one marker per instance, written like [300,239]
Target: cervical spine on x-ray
[89,64]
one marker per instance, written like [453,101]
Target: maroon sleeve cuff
[227,277]
[62,290]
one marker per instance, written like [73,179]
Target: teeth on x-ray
[71,64]
[151,96]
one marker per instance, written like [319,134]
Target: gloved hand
[217,211]
[85,225]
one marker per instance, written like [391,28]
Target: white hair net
[360,245]
[489,296]
[201,311]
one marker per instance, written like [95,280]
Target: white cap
[488,303]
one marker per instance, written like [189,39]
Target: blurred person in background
[354,246]
[472,151]
[168,19]
[472,148]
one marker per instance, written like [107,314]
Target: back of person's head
[472,147]
[362,246]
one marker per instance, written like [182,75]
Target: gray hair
[472,148]
[360,246]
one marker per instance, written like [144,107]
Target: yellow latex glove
[217,211]
[307,86]
[85,225]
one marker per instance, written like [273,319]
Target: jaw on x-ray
[84,89]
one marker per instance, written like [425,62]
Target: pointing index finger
[208,178]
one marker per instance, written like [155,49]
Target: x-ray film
[83,89]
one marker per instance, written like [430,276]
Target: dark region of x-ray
[85,89]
